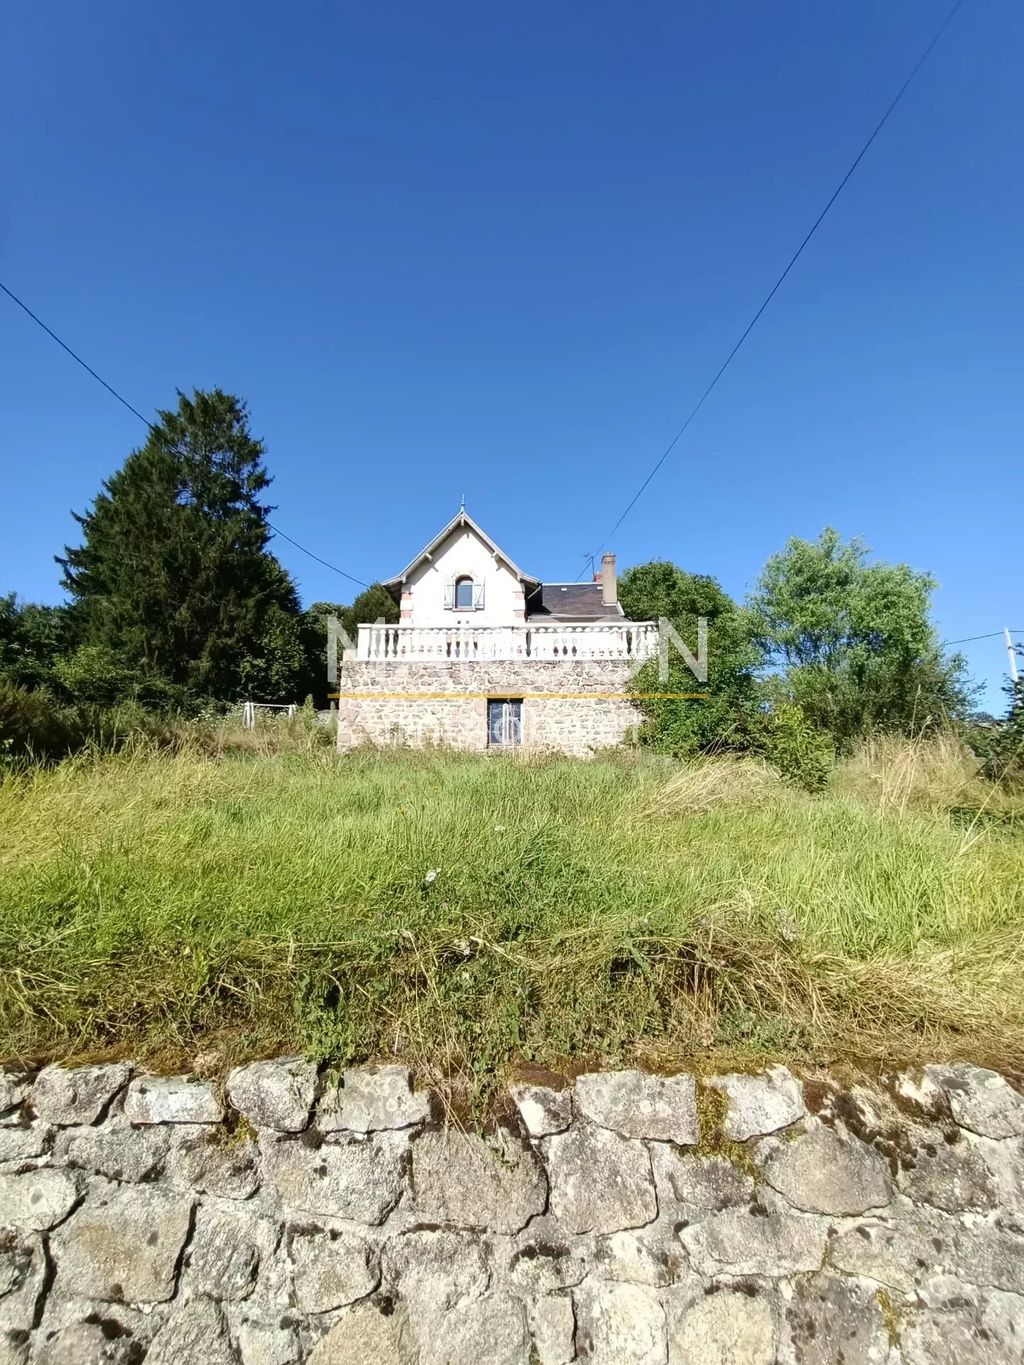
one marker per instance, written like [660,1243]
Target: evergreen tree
[173,577]
[32,637]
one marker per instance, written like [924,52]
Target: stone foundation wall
[451,709]
[626,1219]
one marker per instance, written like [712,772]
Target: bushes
[34,726]
[1005,762]
[801,753]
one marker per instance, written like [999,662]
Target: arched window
[464,597]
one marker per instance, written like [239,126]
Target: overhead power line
[350,577]
[968,638]
[778,283]
[134,410]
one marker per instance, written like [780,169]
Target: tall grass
[465,912]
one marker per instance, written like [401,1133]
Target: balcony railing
[607,640]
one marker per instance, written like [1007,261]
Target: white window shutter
[449,594]
[478,597]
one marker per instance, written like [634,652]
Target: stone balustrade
[623,1219]
[605,640]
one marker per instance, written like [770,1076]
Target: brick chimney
[609,587]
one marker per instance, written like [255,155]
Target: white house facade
[487,656]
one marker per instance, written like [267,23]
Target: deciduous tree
[686,726]
[855,640]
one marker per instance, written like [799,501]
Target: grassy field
[469,913]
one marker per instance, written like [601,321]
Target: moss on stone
[890,1316]
[712,1106]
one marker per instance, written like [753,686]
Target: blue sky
[499,251]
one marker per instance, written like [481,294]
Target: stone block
[225,1252]
[954,1176]
[14,1090]
[633,1259]
[761,1104]
[826,1170]
[217,1163]
[66,1096]
[641,1106]
[898,1254]
[195,1332]
[434,1269]
[826,1319]
[262,1343]
[23,1142]
[123,1247]
[981,1100]
[616,1323]
[463,1180]
[699,1185]
[543,1111]
[971,1330]
[330,1269]
[373,1099]
[553,1329]
[368,1332]
[543,1260]
[172,1099]
[755,1242]
[116,1150]
[600,1182]
[276,1094]
[36,1200]
[725,1329]
[492,1329]
[359,1178]
[22,1279]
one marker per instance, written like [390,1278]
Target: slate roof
[570,601]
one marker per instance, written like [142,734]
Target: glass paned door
[505,722]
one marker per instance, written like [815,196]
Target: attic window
[463,594]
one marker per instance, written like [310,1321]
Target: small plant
[801,753]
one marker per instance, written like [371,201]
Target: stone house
[487,656]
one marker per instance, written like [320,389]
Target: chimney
[609,588]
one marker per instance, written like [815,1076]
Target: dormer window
[463,594]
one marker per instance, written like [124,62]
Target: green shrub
[1004,764]
[803,754]
[33,725]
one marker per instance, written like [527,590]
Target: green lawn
[467,913]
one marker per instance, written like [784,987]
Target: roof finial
[462,504]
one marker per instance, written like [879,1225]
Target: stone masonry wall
[625,1219]
[458,717]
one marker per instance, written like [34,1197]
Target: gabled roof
[571,601]
[462,518]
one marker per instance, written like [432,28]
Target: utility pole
[1011,653]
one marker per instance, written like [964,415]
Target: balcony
[627,640]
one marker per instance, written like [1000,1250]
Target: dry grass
[704,784]
[468,913]
[899,773]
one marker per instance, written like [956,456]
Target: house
[487,656]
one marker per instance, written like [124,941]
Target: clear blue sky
[456,248]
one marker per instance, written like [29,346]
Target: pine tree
[173,576]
